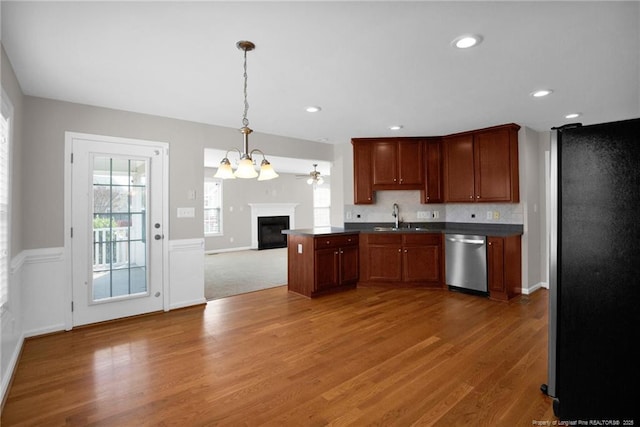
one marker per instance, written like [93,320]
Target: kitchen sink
[399,228]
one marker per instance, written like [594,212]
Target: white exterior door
[118,207]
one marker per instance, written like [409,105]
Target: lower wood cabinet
[322,264]
[504,271]
[407,259]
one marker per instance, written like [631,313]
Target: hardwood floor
[364,357]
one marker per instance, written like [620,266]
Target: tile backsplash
[411,210]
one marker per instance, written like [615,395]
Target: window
[5,146]
[212,206]
[321,206]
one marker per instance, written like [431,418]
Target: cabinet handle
[405,251]
[471,197]
[328,242]
[478,196]
[490,243]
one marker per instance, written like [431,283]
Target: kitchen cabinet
[397,164]
[323,263]
[504,267]
[432,155]
[362,175]
[402,259]
[482,166]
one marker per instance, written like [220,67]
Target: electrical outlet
[436,214]
[496,214]
[349,215]
[186,212]
[423,214]
[489,214]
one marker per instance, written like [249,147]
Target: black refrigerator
[594,283]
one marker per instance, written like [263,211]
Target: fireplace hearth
[270,232]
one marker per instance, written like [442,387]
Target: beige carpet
[234,273]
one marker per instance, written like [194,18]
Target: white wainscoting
[186,273]
[44,282]
[11,323]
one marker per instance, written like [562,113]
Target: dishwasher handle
[472,241]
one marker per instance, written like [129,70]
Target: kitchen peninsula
[330,259]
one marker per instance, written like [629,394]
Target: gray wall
[238,193]
[47,121]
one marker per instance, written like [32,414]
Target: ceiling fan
[314,177]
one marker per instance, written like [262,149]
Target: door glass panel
[119,228]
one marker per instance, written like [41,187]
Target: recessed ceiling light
[541,93]
[395,127]
[466,41]
[312,109]
[572,115]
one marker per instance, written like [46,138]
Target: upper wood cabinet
[362,177]
[482,166]
[397,164]
[432,160]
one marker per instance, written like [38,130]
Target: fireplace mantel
[270,209]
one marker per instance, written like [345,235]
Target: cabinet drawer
[335,241]
[422,239]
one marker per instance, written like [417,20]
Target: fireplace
[270,232]
[270,209]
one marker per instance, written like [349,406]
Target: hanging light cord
[245,121]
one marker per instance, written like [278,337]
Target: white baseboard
[219,251]
[183,304]
[43,331]
[532,289]
[11,368]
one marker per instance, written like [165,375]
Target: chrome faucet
[396,214]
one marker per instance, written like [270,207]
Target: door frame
[69,137]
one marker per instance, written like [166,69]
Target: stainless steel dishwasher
[466,262]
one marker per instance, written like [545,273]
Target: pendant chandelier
[246,168]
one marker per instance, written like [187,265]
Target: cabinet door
[492,152]
[421,263]
[385,162]
[349,271]
[362,173]
[495,264]
[385,262]
[458,169]
[327,273]
[410,165]
[432,159]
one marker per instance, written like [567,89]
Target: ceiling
[368,65]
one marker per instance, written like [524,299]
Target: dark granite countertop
[499,230]
[320,231]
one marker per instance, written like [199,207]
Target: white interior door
[117,220]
